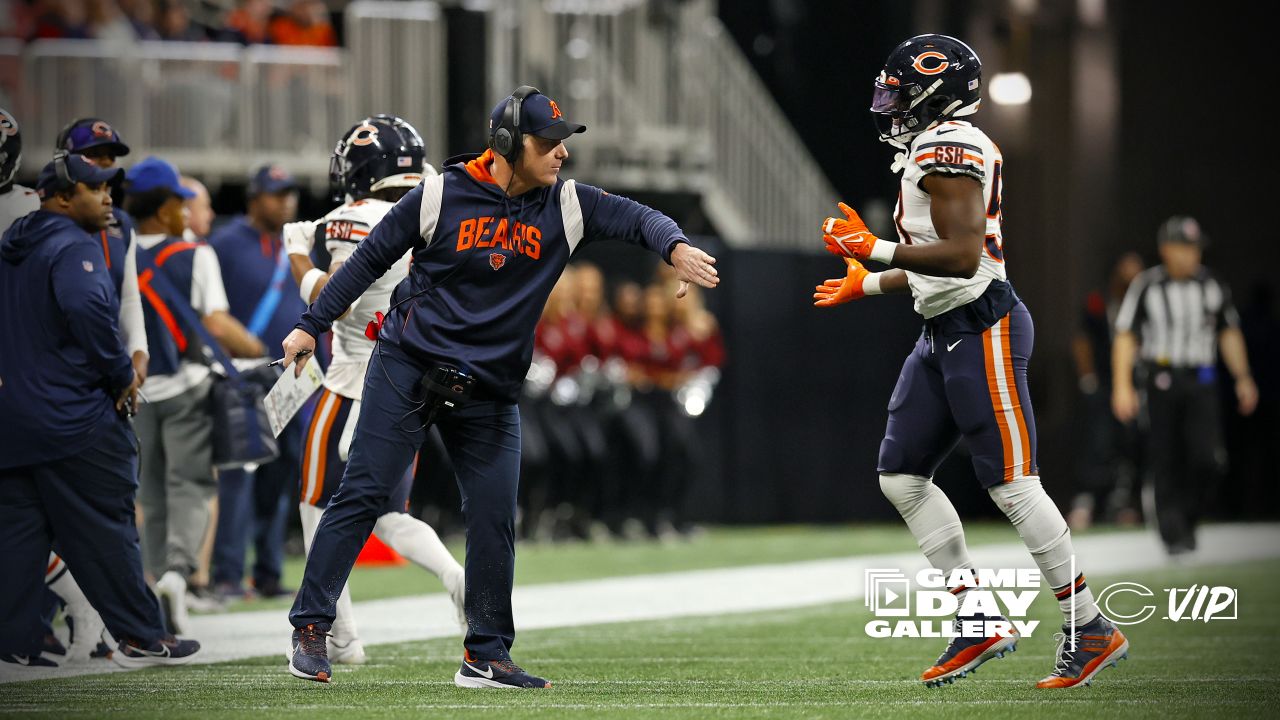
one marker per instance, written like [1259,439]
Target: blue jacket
[490,284]
[248,260]
[61,358]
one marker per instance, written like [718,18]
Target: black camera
[446,387]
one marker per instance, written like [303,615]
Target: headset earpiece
[508,141]
[60,168]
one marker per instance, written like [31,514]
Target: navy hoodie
[483,266]
[61,357]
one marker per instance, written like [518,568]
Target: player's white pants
[407,535]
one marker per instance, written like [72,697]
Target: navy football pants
[86,502]
[965,385]
[483,440]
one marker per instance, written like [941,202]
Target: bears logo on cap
[8,126]
[101,129]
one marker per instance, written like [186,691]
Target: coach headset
[508,140]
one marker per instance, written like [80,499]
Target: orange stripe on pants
[1015,397]
[311,438]
[323,455]
[997,404]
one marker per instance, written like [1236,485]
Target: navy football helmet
[926,79]
[10,148]
[381,151]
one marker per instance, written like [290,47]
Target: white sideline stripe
[234,636]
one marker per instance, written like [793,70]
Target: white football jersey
[344,228]
[19,201]
[955,148]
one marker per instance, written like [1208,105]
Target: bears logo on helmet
[926,79]
[381,151]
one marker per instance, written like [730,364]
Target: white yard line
[234,636]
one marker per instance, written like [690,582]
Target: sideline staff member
[68,456]
[1183,314]
[490,236]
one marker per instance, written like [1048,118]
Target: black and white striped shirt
[1177,321]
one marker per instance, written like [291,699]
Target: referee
[1175,316]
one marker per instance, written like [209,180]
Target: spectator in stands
[174,426]
[61,19]
[108,23]
[141,14]
[306,23]
[262,295]
[175,23]
[248,23]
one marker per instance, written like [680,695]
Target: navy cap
[91,133]
[271,179]
[539,115]
[80,169]
[1182,229]
[154,174]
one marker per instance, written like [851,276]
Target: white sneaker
[86,632]
[350,652]
[171,588]
[456,584]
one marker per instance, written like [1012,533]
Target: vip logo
[1198,602]
[497,260]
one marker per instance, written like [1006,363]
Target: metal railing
[671,104]
[219,110]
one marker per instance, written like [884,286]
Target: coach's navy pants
[483,440]
[971,385]
[86,502]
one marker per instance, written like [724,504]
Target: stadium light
[1011,88]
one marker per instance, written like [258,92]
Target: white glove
[299,237]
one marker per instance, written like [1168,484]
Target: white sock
[344,620]
[1045,532]
[88,623]
[931,518]
[417,542]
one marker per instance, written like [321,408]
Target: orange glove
[857,283]
[850,238]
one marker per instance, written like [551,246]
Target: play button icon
[890,596]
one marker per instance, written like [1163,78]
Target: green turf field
[716,547]
[810,663]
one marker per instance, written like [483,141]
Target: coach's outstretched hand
[298,341]
[693,266]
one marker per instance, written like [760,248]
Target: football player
[967,375]
[375,163]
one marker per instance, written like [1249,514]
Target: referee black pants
[1185,451]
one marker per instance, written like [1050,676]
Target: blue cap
[153,174]
[271,179]
[91,133]
[539,115]
[79,169]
